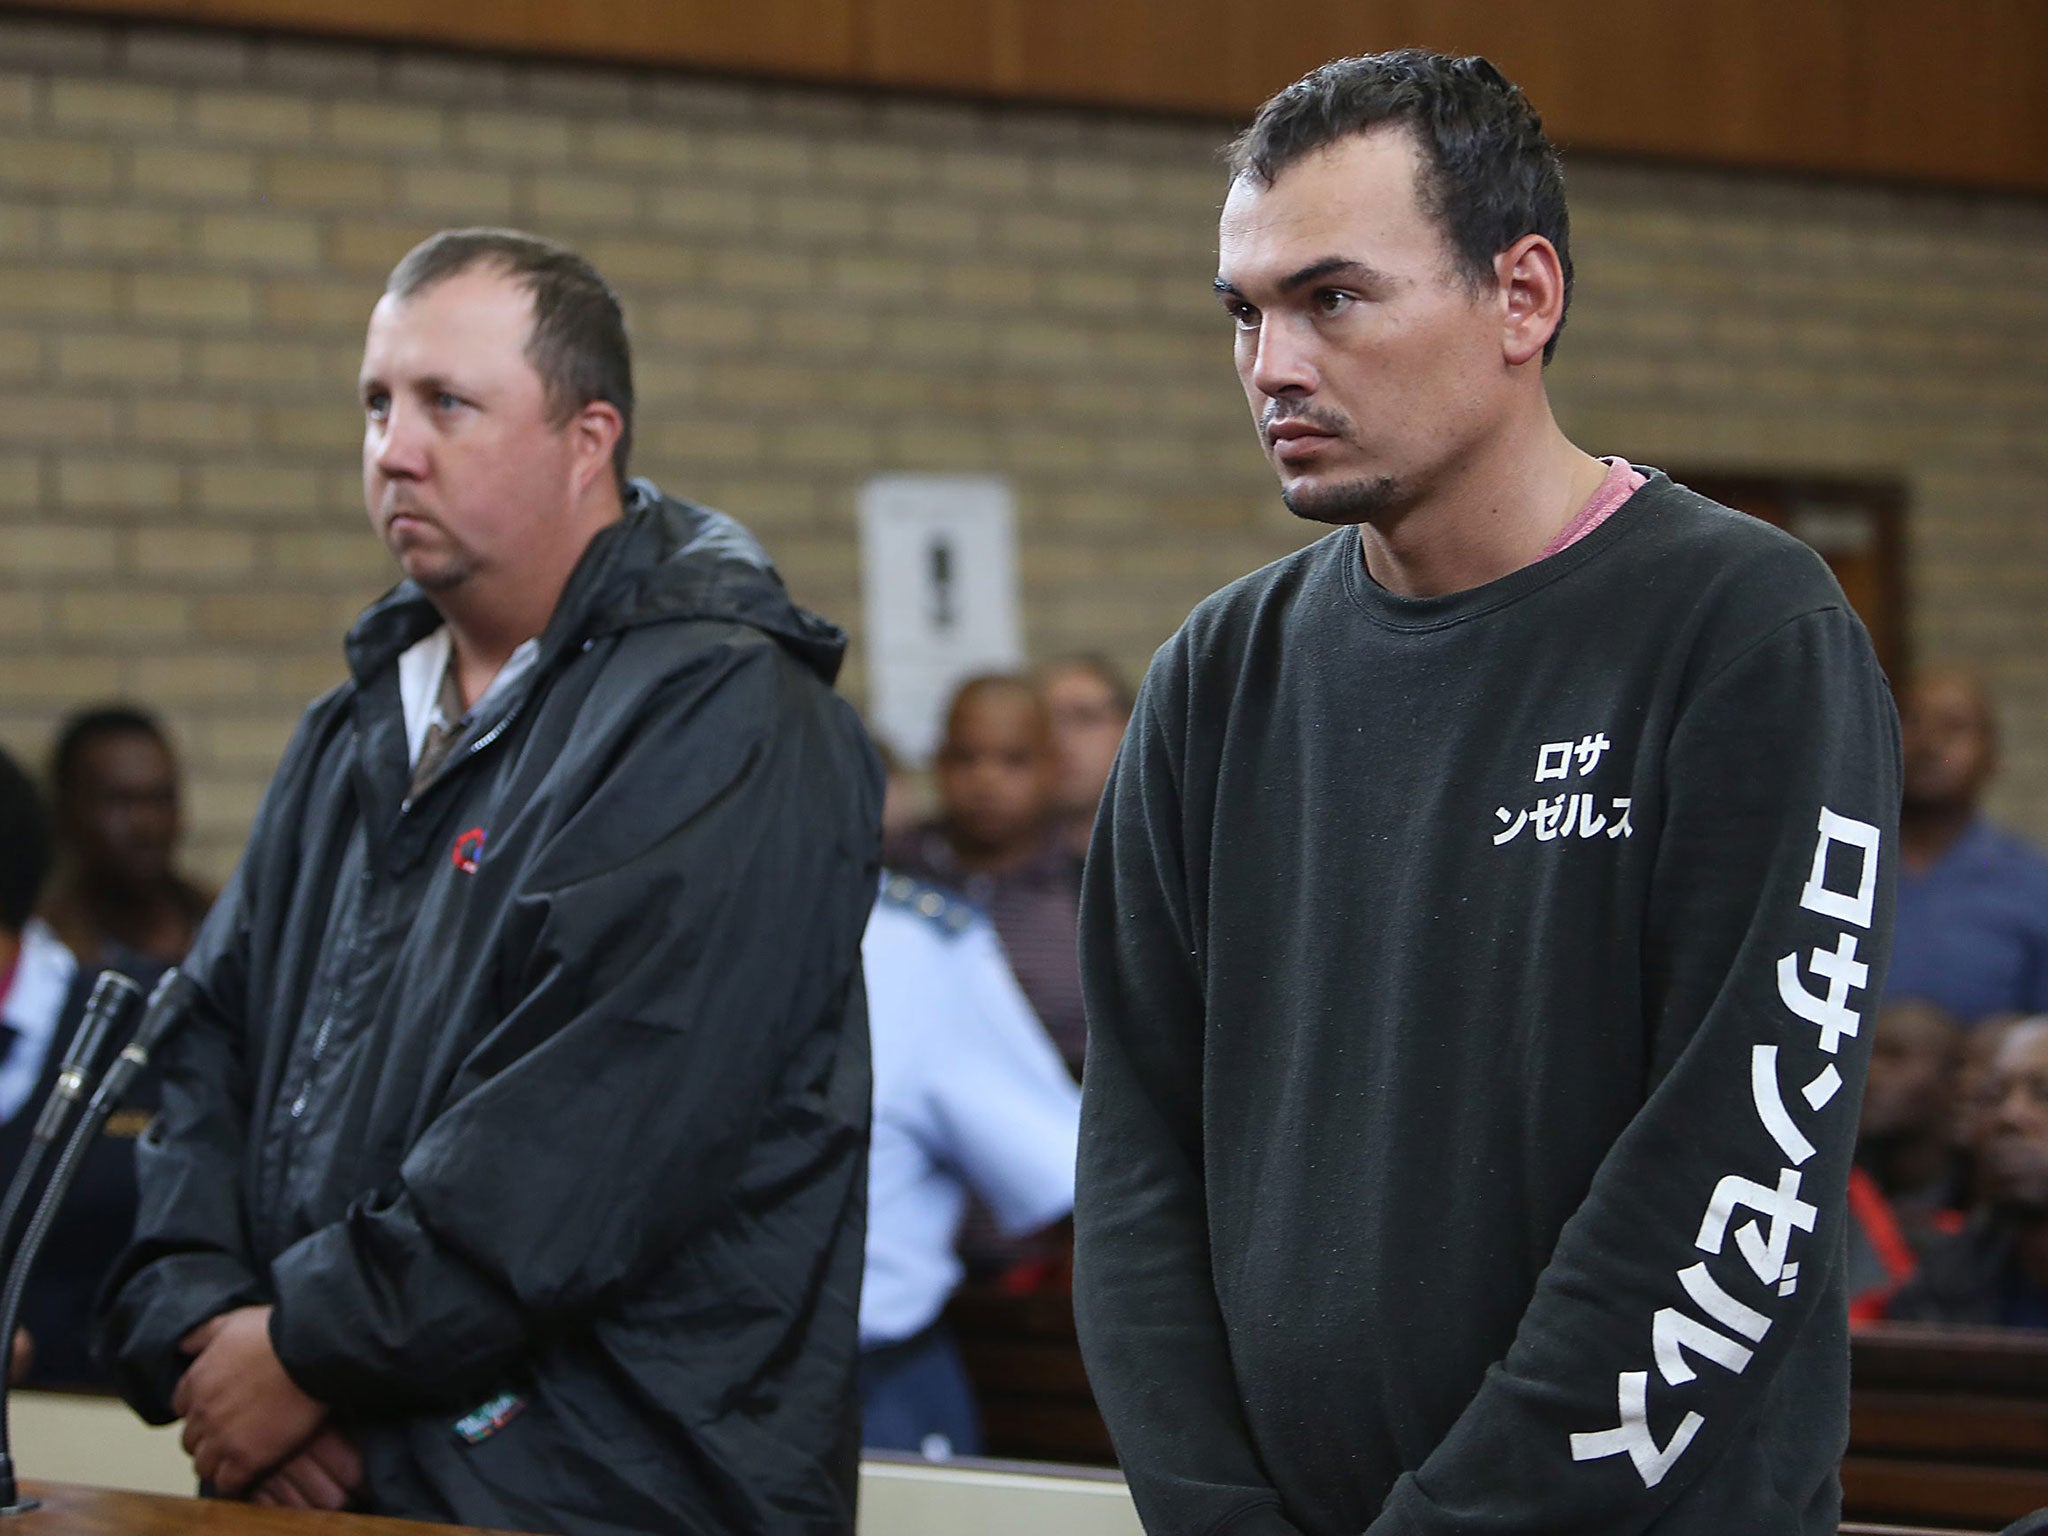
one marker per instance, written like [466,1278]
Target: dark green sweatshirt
[1476,989]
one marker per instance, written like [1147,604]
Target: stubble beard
[1350,501]
[444,577]
[434,563]
[1363,500]
[436,570]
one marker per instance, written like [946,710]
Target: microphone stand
[114,998]
[166,1008]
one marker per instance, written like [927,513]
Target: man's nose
[397,444]
[1283,363]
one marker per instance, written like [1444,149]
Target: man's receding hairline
[528,283]
[489,261]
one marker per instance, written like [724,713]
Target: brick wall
[823,287]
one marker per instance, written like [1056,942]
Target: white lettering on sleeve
[1770,1105]
[1823,1088]
[1764,1242]
[1632,1436]
[1672,1331]
[1844,974]
[1818,897]
[1781,1208]
[1724,1309]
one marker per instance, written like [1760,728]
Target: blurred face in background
[995,769]
[1973,1078]
[1088,719]
[120,810]
[1915,1052]
[2012,1148]
[1948,740]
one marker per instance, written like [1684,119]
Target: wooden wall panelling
[1955,92]
[810,39]
[1939,86]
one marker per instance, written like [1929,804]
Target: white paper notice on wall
[939,583]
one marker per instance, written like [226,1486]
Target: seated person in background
[1908,1181]
[1981,1045]
[1972,930]
[993,842]
[42,995]
[37,973]
[120,902]
[969,1095]
[1090,704]
[1995,1271]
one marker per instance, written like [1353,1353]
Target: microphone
[167,1007]
[168,1004]
[114,998]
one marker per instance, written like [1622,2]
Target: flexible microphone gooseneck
[166,1009]
[107,1012]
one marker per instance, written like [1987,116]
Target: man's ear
[594,431]
[1531,279]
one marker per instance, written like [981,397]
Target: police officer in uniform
[970,1095]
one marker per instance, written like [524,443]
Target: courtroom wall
[825,286]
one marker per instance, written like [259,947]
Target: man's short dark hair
[1489,173]
[81,729]
[578,345]
[25,837]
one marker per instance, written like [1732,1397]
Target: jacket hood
[666,560]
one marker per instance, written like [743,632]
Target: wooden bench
[1948,1427]
[1947,1424]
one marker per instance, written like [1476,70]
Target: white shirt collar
[43,974]
[420,668]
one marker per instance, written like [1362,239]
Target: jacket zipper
[348,966]
[298,1106]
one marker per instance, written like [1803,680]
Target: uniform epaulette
[945,910]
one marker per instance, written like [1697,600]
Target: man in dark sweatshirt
[1482,922]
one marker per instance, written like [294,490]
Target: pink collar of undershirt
[1623,481]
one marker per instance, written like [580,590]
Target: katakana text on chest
[1572,812]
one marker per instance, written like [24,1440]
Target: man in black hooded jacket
[510,1167]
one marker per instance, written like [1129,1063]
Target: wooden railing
[1947,1426]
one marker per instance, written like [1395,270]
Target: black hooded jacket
[537,1105]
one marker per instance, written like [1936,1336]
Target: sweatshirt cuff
[1259,1520]
[1405,1513]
